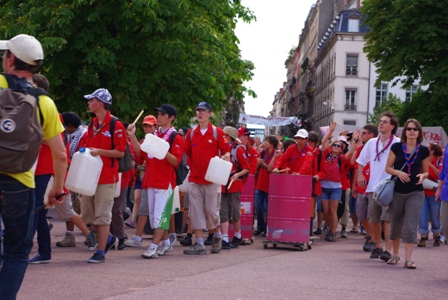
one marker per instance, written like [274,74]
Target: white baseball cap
[302,133]
[25,47]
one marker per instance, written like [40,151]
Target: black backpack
[20,131]
[125,162]
[182,170]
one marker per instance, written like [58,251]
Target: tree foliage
[392,104]
[408,38]
[146,52]
[429,108]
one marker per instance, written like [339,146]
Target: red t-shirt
[102,140]
[252,156]
[336,167]
[320,171]
[201,149]
[159,173]
[237,186]
[298,161]
[262,183]
[436,161]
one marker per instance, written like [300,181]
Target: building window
[381,93]
[350,122]
[350,99]
[352,65]
[353,25]
[410,91]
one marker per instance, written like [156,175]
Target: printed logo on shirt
[309,153]
[210,141]
[106,133]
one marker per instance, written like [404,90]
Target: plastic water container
[218,171]
[84,173]
[430,185]
[176,201]
[155,146]
[185,185]
[118,187]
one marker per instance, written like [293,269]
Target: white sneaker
[133,242]
[173,239]
[164,249]
[150,253]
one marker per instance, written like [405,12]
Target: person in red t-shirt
[297,159]
[202,144]
[97,210]
[431,208]
[266,163]
[230,200]
[160,180]
[319,172]
[361,201]
[251,151]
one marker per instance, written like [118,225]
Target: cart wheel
[251,241]
[300,246]
[309,246]
[274,245]
[265,246]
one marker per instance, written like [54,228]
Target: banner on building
[260,120]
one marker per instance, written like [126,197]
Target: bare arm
[59,155]
[328,136]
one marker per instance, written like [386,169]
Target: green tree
[392,104]
[429,113]
[146,52]
[408,38]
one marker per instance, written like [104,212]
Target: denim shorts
[331,194]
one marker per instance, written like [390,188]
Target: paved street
[339,270]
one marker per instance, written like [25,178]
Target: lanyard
[407,158]
[384,149]
[269,157]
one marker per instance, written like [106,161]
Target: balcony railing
[350,107]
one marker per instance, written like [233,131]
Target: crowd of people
[345,170]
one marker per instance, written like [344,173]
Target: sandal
[409,264]
[393,260]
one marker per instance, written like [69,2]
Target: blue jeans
[16,210]
[40,218]
[261,209]
[430,209]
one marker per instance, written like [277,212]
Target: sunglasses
[411,129]
[337,146]
[365,132]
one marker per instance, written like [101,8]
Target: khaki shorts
[377,212]
[65,210]
[205,203]
[230,208]
[97,210]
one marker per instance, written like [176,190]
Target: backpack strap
[172,137]
[112,130]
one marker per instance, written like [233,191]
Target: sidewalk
[339,270]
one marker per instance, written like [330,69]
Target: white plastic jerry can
[155,146]
[84,173]
[218,171]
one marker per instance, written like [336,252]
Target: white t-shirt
[377,166]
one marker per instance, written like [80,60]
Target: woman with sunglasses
[408,161]
[336,162]
[431,209]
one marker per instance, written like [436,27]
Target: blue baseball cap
[204,106]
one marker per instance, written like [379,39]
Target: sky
[266,42]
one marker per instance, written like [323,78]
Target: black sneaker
[318,231]
[376,253]
[235,242]
[209,240]
[121,244]
[258,232]
[369,245]
[97,258]
[385,256]
[225,245]
[186,241]
[109,245]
